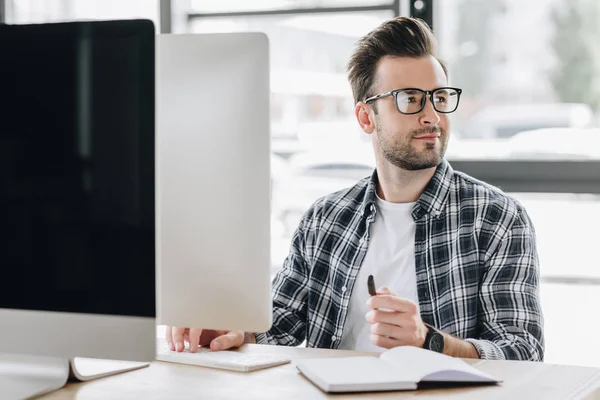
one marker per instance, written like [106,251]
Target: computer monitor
[77,198]
[213,182]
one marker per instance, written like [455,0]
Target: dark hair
[399,37]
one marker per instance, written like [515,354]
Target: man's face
[411,142]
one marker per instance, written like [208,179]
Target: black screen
[77,167]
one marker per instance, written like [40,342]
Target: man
[458,257]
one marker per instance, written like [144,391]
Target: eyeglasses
[412,101]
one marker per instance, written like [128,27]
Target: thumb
[227,341]
[384,290]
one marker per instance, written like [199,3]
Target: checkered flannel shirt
[475,257]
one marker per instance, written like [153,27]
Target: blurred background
[529,119]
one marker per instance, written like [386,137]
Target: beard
[399,150]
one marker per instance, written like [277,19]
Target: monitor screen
[77,227]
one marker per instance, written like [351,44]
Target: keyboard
[224,359]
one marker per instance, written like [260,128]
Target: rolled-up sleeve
[510,319]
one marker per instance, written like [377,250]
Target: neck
[397,185]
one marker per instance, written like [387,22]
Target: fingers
[208,335]
[393,302]
[384,335]
[194,339]
[385,290]
[387,317]
[404,320]
[400,335]
[385,342]
[169,337]
[219,340]
[227,341]
[406,330]
[391,331]
[177,335]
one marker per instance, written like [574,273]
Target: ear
[364,116]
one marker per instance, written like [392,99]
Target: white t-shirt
[390,259]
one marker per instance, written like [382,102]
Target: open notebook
[401,368]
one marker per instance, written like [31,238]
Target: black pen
[371,285]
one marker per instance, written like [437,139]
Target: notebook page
[355,371]
[431,366]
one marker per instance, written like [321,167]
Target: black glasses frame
[426,93]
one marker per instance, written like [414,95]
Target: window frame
[3,11]
[535,176]
[394,6]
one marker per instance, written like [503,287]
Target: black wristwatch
[434,340]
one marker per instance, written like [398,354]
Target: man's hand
[195,337]
[396,321]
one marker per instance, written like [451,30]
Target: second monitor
[213,181]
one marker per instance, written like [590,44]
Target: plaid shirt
[475,258]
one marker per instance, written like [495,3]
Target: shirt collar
[431,201]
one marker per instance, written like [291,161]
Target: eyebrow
[410,89]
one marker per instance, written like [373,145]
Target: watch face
[436,343]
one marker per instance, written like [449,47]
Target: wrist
[422,337]
[249,337]
[434,340]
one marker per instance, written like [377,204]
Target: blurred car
[555,144]
[312,175]
[506,120]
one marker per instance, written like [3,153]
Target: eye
[403,99]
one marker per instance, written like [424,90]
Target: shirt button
[333,338]
[343,289]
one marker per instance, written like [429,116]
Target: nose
[429,117]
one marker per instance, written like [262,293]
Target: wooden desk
[522,380]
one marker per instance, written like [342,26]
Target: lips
[432,136]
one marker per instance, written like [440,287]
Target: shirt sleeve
[510,320]
[290,292]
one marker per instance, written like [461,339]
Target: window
[566,226]
[341,167]
[231,6]
[528,122]
[40,11]
[522,82]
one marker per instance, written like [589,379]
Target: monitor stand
[27,376]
